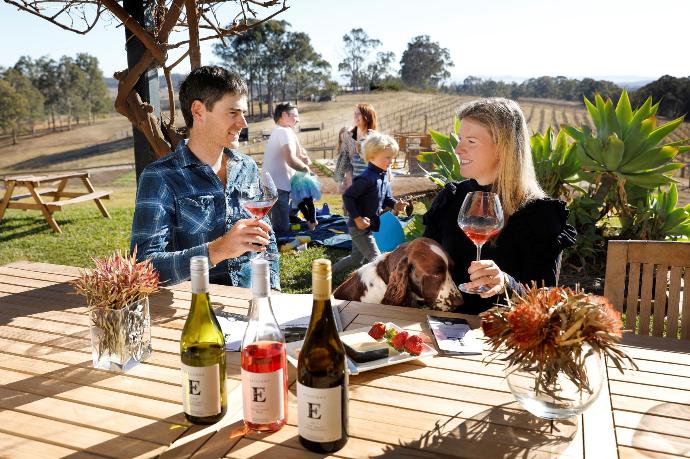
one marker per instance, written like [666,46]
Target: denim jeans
[280,213]
[364,250]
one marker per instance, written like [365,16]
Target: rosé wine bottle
[264,364]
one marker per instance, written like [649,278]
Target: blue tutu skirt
[303,185]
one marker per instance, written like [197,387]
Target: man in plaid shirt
[188,201]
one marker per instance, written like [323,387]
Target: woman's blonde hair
[377,143]
[516,182]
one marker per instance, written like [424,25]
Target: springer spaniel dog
[415,272]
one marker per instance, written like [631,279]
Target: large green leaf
[662,131]
[442,140]
[648,181]
[624,112]
[650,159]
[613,152]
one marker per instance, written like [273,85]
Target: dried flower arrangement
[552,330]
[114,286]
[116,281]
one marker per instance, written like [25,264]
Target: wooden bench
[33,183]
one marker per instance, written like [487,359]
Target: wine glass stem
[479,251]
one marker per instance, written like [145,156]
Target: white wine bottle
[264,364]
[321,373]
[202,349]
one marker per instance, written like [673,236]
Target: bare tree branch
[80,16]
[142,34]
[193,27]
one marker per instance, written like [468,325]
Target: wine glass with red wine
[480,218]
[258,199]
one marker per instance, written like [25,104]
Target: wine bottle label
[199,282]
[319,413]
[201,390]
[263,396]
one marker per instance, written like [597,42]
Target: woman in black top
[494,154]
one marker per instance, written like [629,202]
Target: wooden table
[55,405]
[36,191]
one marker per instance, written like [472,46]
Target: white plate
[355,367]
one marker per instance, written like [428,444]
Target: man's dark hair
[285,107]
[208,84]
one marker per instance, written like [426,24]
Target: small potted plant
[117,293]
[553,340]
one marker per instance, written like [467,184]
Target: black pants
[306,206]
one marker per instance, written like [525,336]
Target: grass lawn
[25,235]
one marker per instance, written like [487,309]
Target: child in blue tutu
[304,190]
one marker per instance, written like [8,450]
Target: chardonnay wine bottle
[321,373]
[202,349]
[264,364]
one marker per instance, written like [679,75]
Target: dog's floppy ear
[397,292]
[351,288]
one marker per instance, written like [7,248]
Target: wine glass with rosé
[258,199]
[480,218]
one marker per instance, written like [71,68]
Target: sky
[622,40]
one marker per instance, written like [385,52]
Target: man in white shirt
[281,160]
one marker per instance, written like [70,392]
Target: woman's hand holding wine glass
[481,218]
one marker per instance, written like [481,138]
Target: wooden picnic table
[34,184]
[54,404]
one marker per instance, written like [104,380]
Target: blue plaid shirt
[181,206]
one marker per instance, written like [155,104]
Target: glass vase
[559,397]
[121,338]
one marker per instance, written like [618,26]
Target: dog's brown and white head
[415,272]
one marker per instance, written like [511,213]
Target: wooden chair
[657,295]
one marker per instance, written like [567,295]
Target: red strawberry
[398,341]
[377,330]
[413,344]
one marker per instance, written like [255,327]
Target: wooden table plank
[162,433]
[598,426]
[74,436]
[26,448]
[653,442]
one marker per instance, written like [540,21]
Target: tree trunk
[261,101]
[269,91]
[14,135]
[52,114]
[251,94]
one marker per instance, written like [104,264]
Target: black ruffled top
[527,248]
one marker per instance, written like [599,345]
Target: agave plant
[660,218]
[445,166]
[625,150]
[555,162]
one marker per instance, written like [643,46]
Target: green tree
[72,84]
[274,58]
[358,46]
[424,63]
[302,67]
[256,54]
[49,85]
[95,99]
[380,68]
[13,107]
[242,53]
[22,85]
[672,93]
